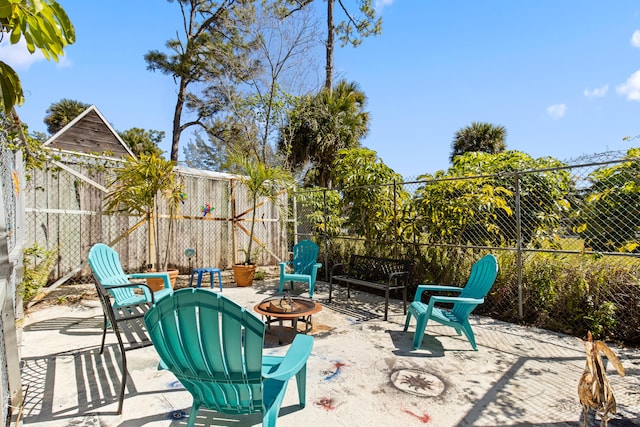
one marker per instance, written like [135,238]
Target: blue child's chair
[483,275]
[305,267]
[214,347]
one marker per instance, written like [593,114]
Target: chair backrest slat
[305,254]
[483,275]
[213,346]
[106,268]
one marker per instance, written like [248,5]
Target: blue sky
[563,77]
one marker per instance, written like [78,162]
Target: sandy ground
[362,371]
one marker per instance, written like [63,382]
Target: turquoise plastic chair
[483,275]
[214,347]
[305,267]
[106,268]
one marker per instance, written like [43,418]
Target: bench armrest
[335,267]
[404,274]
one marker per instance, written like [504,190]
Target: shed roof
[89,133]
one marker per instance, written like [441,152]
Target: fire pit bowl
[287,305]
[277,309]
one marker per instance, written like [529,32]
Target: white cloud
[631,89]
[597,92]
[557,111]
[635,39]
[380,4]
[17,55]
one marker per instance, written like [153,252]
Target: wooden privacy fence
[64,210]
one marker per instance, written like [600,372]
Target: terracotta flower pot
[244,274]
[158,284]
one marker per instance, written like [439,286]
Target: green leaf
[10,87]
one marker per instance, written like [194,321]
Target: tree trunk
[177,115]
[328,83]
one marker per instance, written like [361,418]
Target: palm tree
[480,136]
[321,126]
[135,189]
[261,180]
[60,113]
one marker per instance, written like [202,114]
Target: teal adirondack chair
[214,347]
[483,275]
[106,267]
[305,267]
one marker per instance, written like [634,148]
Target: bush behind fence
[566,237]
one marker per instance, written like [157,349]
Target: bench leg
[386,303]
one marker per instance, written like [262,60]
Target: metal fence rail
[567,238]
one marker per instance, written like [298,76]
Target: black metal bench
[378,273]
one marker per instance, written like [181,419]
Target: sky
[563,77]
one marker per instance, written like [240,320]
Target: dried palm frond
[594,389]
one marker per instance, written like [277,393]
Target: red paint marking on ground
[336,366]
[326,403]
[424,417]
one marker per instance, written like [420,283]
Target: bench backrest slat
[375,269]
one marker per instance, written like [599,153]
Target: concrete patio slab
[362,372]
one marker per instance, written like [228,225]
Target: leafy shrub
[38,264]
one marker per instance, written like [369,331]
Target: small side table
[202,271]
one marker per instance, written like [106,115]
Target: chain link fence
[11,245]
[64,211]
[566,237]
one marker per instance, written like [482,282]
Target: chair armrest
[454,300]
[283,266]
[432,287]
[147,291]
[157,275]
[294,360]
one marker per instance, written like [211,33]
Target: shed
[89,133]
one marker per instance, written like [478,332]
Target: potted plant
[135,190]
[261,181]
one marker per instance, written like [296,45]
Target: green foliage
[44,25]
[206,61]
[35,157]
[479,137]
[369,200]
[143,141]
[61,113]
[608,222]
[480,208]
[570,294]
[457,211]
[137,184]
[261,181]
[259,275]
[38,264]
[353,29]
[318,127]
[206,155]
[322,209]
